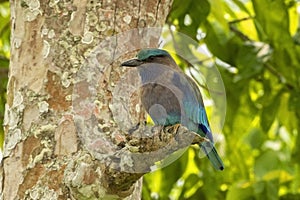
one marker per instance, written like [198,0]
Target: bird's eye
[151,58]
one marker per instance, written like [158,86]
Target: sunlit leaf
[274,25]
[282,175]
[220,43]
[269,112]
[255,138]
[189,15]
[242,6]
[241,191]
[266,162]
[266,190]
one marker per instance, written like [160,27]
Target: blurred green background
[256,46]
[4,58]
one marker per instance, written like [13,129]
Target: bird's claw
[199,139]
[172,129]
[176,127]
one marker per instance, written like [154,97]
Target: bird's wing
[185,90]
[193,105]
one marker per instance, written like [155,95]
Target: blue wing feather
[193,106]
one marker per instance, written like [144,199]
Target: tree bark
[50,152]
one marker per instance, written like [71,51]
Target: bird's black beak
[132,63]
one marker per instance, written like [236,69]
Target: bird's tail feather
[212,154]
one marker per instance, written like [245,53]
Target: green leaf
[242,6]
[269,112]
[255,138]
[274,26]
[241,191]
[4,29]
[4,62]
[286,114]
[163,180]
[217,14]
[190,186]
[266,190]
[222,44]
[266,162]
[294,104]
[196,10]
[248,62]
[281,175]
[146,192]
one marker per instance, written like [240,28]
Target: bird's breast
[161,103]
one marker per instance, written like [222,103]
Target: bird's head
[151,56]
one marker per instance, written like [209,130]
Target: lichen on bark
[51,41]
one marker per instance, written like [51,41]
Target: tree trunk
[60,113]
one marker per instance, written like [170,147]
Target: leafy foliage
[4,58]
[255,45]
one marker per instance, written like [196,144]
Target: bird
[171,97]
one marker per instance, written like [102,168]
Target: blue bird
[170,97]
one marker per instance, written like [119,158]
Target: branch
[236,31]
[143,149]
[281,78]
[240,20]
[204,86]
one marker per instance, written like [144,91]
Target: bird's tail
[212,154]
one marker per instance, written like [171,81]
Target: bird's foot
[172,129]
[199,139]
[176,127]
